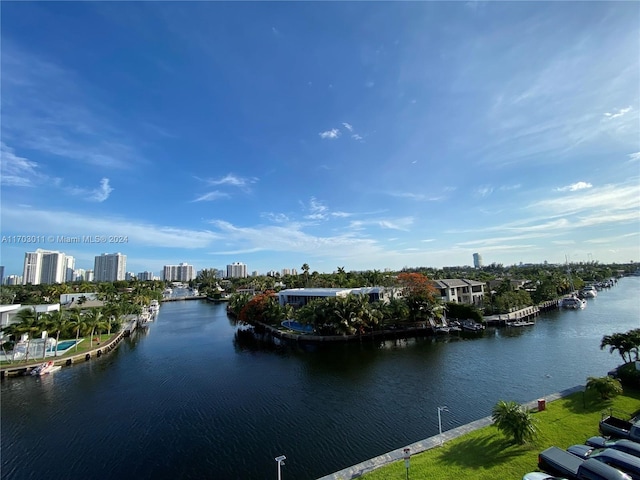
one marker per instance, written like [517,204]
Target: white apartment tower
[178,273]
[54,268]
[32,267]
[477,260]
[110,267]
[237,270]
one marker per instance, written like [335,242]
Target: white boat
[589,292]
[154,306]
[45,368]
[572,302]
[167,291]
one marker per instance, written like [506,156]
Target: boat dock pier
[186,297]
[520,317]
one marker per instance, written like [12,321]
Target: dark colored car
[626,446]
[620,460]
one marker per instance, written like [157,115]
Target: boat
[589,292]
[154,306]
[572,303]
[167,291]
[45,368]
[472,326]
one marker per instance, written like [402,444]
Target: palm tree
[28,323]
[58,322]
[607,387]
[619,342]
[94,320]
[515,421]
[78,321]
[305,269]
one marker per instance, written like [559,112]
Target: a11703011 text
[64,239]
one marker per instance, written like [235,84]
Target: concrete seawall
[356,471]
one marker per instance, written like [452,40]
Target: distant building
[145,276]
[237,270]
[272,273]
[178,273]
[286,271]
[110,267]
[1,275]
[89,276]
[477,260]
[44,267]
[14,280]
[129,276]
[456,290]
[69,265]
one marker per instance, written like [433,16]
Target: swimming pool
[297,326]
[63,346]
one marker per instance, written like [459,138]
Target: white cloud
[510,187]
[215,195]
[634,156]
[574,187]
[348,126]
[355,136]
[233,180]
[16,171]
[101,193]
[619,113]
[484,191]
[275,217]
[333,133]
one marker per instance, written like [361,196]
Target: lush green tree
[78,322]
[514,421]
[606,387]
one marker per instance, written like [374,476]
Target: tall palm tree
[77,321]
[58,321]
[94,319]
[29,323]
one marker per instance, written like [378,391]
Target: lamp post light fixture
[280,460]
[441,409]
[407,458]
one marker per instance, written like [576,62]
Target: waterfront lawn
[83,346]
[487,454]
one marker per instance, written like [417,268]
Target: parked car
[626,446]
[620,460]
[616,427]
[540,476]
[557,461]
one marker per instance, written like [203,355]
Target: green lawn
[83,346]
[487,454]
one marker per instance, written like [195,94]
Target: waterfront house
[298,297]
[455,290]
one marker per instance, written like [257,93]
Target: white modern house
[456,290]
[298,297]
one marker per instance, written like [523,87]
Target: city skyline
[366,135]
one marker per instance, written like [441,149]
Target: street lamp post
[441,409]
[280,461]
[407,458]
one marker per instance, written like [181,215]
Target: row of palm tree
[63,323]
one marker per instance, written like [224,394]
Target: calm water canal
[192,398]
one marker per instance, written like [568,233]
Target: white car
[541,476]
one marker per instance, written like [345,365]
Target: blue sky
[365,135]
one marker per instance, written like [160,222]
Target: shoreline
[367,466]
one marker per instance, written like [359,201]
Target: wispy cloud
[634,157]
[574,187]
[402,223]
[355,136]
[275,217]
[417,196]
[233,180]
[17,171]
[99,194]
[210,196]
[348,126]
[484,191]
[619,113]
[333,133]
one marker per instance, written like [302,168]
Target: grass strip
[486,454]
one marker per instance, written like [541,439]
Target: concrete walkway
[367,466]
